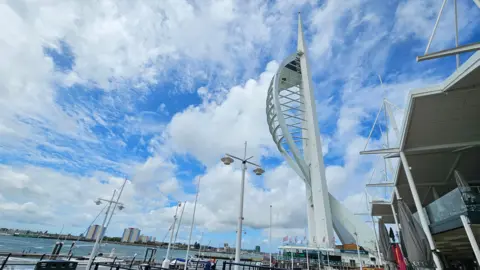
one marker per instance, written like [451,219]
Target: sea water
[14,244]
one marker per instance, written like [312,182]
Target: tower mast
[313,148]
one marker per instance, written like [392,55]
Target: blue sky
[92,93]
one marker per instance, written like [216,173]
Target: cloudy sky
[93,91]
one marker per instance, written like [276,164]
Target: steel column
[471,237]
[418,205]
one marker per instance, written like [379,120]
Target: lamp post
[103,228]
[113,210]
[227,160]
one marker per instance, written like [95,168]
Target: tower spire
[300,40]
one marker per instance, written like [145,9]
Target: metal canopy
[441,121]
[440,106]
[442,133]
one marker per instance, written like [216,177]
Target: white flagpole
[328,259]
[318,257]
[166,262]
[270,236]
[308,263]
[192,225]
[291,256]
[328,252]
[179,222]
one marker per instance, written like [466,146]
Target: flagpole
[308,263]
[270,236]
[328,258]
[291,256]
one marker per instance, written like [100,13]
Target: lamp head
[98,202]
[227,160]
[121,207]
[259,171]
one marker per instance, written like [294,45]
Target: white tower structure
[293,123]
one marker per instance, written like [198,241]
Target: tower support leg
[310,218]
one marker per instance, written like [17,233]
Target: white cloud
[417,18]
[215,127]
[118,45]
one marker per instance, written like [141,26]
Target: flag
[296,240]
[323,239]
[285,239]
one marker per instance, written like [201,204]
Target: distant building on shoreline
[146,239]
[93,232]
[131,235]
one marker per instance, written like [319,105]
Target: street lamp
[227,160]
[104,228]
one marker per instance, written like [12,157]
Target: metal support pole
[179,222]
[456,32]
[328,258]
[418,205]
[376,241]
[471,237]
[5,261]
[477,2]
[166,262]
[395,217]
[100,235]
[308,263]
[240,217]
[113,210]
[228,159]
[291,256]
[435,26]
[191,226]
[358,251]
[270,236]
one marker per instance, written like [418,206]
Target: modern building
[145,238]
[337,257]
[293,124]
[93,232]
[131,235]
[437,168]
[257,249]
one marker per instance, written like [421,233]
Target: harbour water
[15,244]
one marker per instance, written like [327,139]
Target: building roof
[441,132]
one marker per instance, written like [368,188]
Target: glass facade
[453,204]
